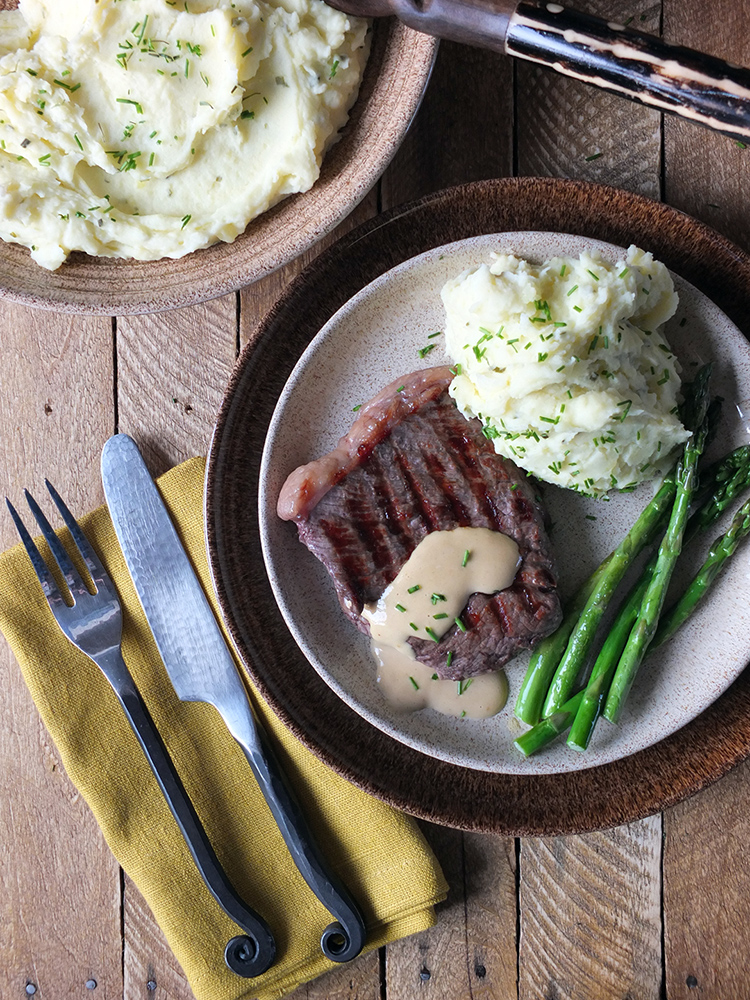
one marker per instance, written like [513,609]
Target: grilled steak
[412,464]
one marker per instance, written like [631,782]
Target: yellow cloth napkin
[379,853]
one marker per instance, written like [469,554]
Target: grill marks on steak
[413,464]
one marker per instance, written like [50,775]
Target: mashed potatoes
[150,128]
[567,367]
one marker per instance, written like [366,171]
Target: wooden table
[657,909]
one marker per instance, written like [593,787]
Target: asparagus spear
[547,655]
[648,617]
[548,729]
[584,631]
[727,479]
[597,689]
[720,551]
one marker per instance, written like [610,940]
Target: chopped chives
[67,86]
[127,100]
[415,588]
[414,683]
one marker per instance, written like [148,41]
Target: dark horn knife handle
[252,952]
[701,88]
[640,67]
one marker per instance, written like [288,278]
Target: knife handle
[343,939]
[248,954]
[632,64]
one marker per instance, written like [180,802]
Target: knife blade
[201,668]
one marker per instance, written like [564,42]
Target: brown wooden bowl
[430,788]
[395,77]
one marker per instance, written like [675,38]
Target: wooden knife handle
[638,66]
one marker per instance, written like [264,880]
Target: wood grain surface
[655,909]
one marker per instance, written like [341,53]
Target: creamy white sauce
[425,600]
[409,685]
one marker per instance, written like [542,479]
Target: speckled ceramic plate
[374,339]
[633,783]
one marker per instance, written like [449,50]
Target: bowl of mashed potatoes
[156,153]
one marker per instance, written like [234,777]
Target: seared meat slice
[412,464]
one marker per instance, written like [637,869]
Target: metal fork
[93,623]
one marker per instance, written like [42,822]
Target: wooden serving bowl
[395,77]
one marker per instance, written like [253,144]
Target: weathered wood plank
[589,906]
[172,370]
[591,915]
[463,130]
[707,891]
[707,174]
[706,883]
[59,884]
[568,129]
[359,980]
[471,952]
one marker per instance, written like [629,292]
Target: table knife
[607,55]
[201,668]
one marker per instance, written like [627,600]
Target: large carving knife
[201,668]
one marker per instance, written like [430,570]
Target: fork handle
[249,954]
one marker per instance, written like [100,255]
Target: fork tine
[61,557]
[49,587]
[82,543]
[98,573]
